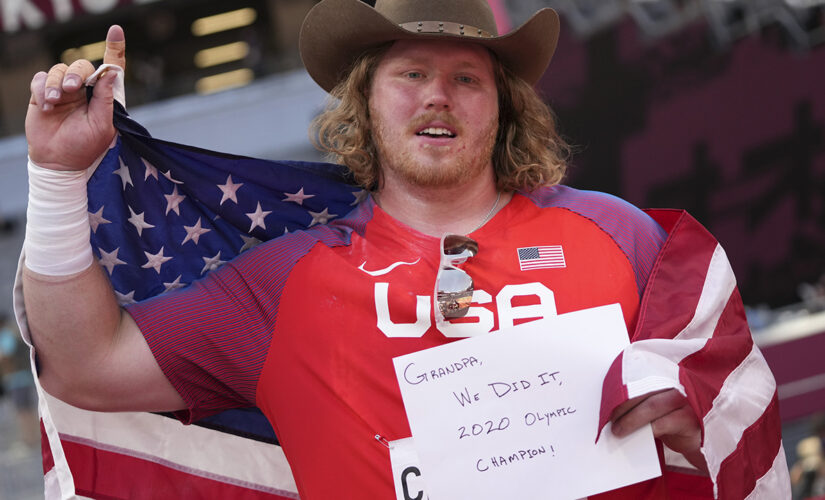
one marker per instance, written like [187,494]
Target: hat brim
[336,32]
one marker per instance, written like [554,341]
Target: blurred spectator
[16,377]
[808,473]
[813,295]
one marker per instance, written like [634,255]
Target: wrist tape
[57,222]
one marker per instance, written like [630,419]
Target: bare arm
[91,352]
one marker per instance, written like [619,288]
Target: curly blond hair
[528,153]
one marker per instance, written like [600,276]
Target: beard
[433,166]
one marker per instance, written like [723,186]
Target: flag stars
[123,173]
[155,261]
[193,233]
[168,175]
[249,242]
[137,221]
[109,259]
[151,170]
[257,217]
[321,217]
[125,298]
[96,219]
[175,284]
[212,263]
[297,197]
[359,196]
[230,190]
[173,201]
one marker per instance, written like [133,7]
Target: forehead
[441,52]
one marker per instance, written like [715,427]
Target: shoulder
[636,233]
[611,213]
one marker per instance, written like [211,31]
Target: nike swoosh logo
[386,270]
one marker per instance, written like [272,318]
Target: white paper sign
[514,414]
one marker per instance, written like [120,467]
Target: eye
[414,75]
[465,79]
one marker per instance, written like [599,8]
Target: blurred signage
[18,15]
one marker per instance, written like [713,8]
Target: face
[434,112]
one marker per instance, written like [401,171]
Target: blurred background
[717,106]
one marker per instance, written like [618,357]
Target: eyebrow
[415,59]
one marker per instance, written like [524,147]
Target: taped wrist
[57,222]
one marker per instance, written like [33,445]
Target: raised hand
[63,131]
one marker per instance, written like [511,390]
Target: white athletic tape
[57,222]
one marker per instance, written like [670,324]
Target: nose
[438,95]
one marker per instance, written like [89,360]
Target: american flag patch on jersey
[546,257]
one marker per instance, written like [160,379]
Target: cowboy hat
[336,32]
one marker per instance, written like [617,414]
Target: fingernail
[48,106]
[52,94]
[71,81]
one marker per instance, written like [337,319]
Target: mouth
[436,132]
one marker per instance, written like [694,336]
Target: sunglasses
[453,286]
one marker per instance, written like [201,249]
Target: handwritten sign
[514,414]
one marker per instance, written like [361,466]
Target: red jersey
[305,327]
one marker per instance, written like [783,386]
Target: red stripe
[704,372]
[676,281]
[107,475]
[614,393]
[753,457]
[48,459]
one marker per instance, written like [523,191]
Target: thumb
[101,105]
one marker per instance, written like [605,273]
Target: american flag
[544,257]
[691,334]
[163,215]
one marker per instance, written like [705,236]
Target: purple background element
[735,136]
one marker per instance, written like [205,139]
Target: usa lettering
[506,312]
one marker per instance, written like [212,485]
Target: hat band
[446,27]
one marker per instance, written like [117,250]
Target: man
[437,118]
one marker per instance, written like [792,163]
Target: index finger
[628,405]
[115,52]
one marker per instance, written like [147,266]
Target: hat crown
[475,13]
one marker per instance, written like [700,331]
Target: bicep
[129,378]
[144,386]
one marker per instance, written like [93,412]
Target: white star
[168,175]
[212,263]
[109,259]
[96,219]
[194,233]
[321,217]
[138,222]
[150,170]
[175,284]
[229,190]
[249,242]
[123,299]
[173,201]
[124,174]
[155,260]
[359,196]
[257,217]
[298,197]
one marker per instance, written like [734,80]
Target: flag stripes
[712,361]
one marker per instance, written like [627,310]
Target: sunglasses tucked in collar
[453,286]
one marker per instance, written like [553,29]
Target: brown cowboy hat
[336,32]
